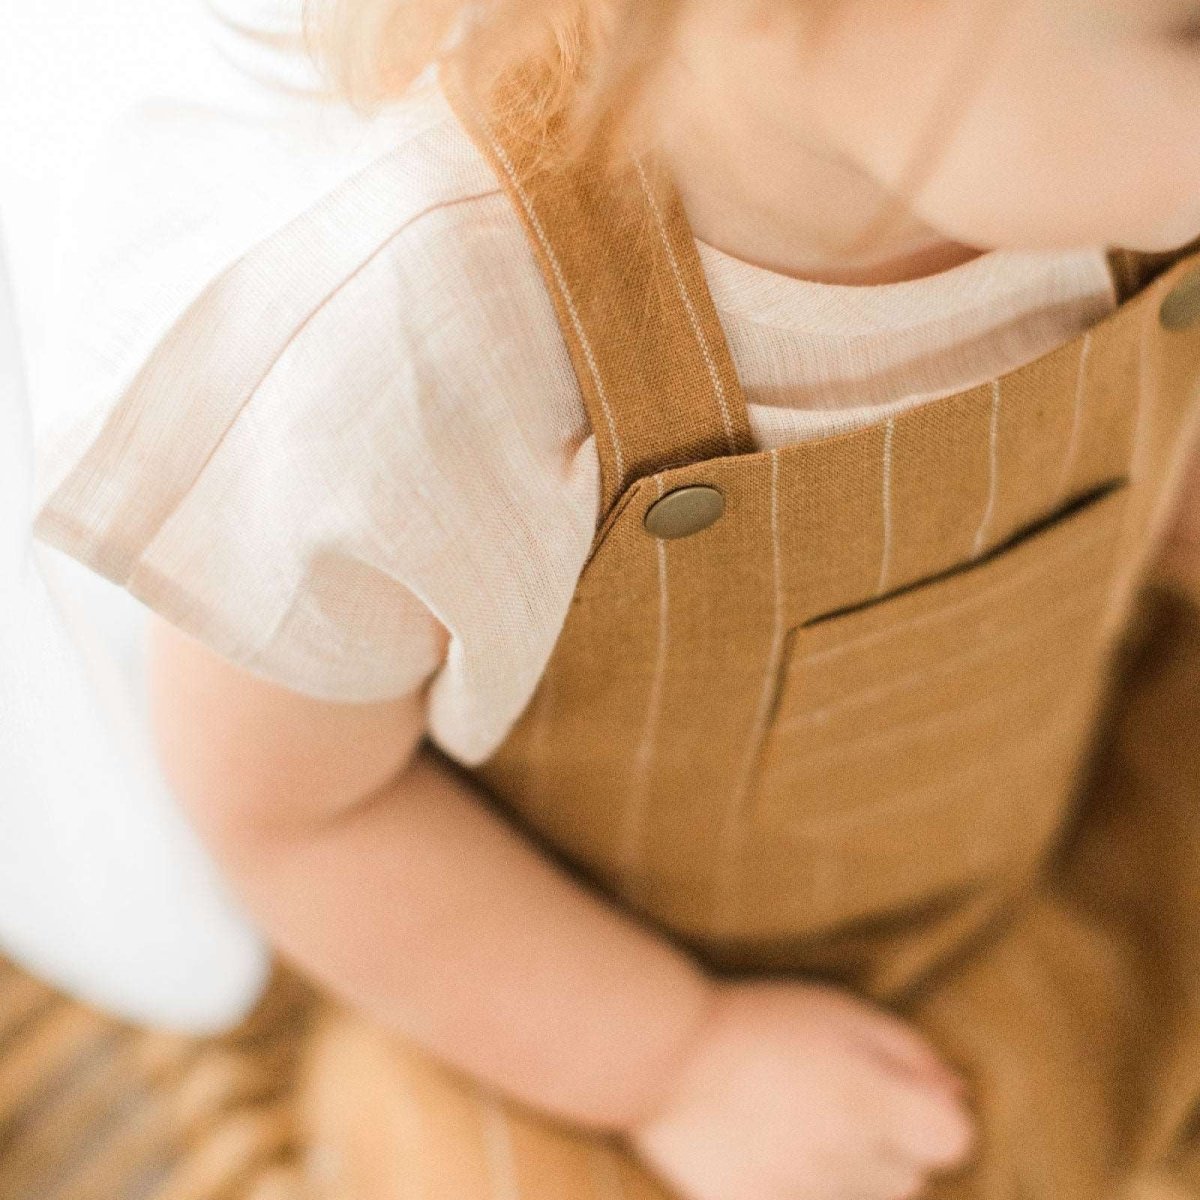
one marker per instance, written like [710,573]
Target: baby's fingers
[934,1129]
[904,1047]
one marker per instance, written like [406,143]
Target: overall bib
[830,712]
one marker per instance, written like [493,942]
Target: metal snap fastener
[1181,308]
[684,511]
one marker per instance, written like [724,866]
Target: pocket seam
[1027,534]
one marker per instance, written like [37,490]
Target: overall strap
[622,267]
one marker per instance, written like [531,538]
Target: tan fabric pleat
[845,731]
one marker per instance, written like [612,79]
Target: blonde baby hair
[595,61]
[594,58]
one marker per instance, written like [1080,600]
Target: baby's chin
[1153,234]
[1159,239]
[1147,228]
[1171,235]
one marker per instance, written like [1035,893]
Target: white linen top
[313,400]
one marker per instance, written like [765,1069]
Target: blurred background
[127,1067]
[111,54]
[104,891]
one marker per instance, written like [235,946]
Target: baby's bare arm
[379,870]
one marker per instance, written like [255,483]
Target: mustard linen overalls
[827,710]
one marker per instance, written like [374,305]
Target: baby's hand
[801,1091]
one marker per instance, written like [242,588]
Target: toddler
[635,557]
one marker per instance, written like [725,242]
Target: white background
[65,67]
[104,890]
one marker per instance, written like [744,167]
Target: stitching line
[886,553]
[1032,572]
[728,836]
[1072,450]
[986,520]
[702,341]
[632,822]
[560,279]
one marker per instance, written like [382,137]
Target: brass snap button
[1181,308]
[684,511]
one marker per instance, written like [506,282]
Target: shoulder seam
[108,480]
[311,315]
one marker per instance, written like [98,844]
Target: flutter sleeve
[258,530]
[231,436]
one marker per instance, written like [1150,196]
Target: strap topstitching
[621,265]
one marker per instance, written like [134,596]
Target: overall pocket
[928,738]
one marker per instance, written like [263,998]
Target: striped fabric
[844,730]
[880,623]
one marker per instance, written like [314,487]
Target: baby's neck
[803,223]
[772,193]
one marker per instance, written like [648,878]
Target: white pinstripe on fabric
[1080,601]
[1032,572]
[829,869]
[565,291]
[702,341]
[823,824]
[633,811]
[943,723]
[729,854]
[1072,450]
[885,554]
[993,472]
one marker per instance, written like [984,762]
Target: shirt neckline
[744,290]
